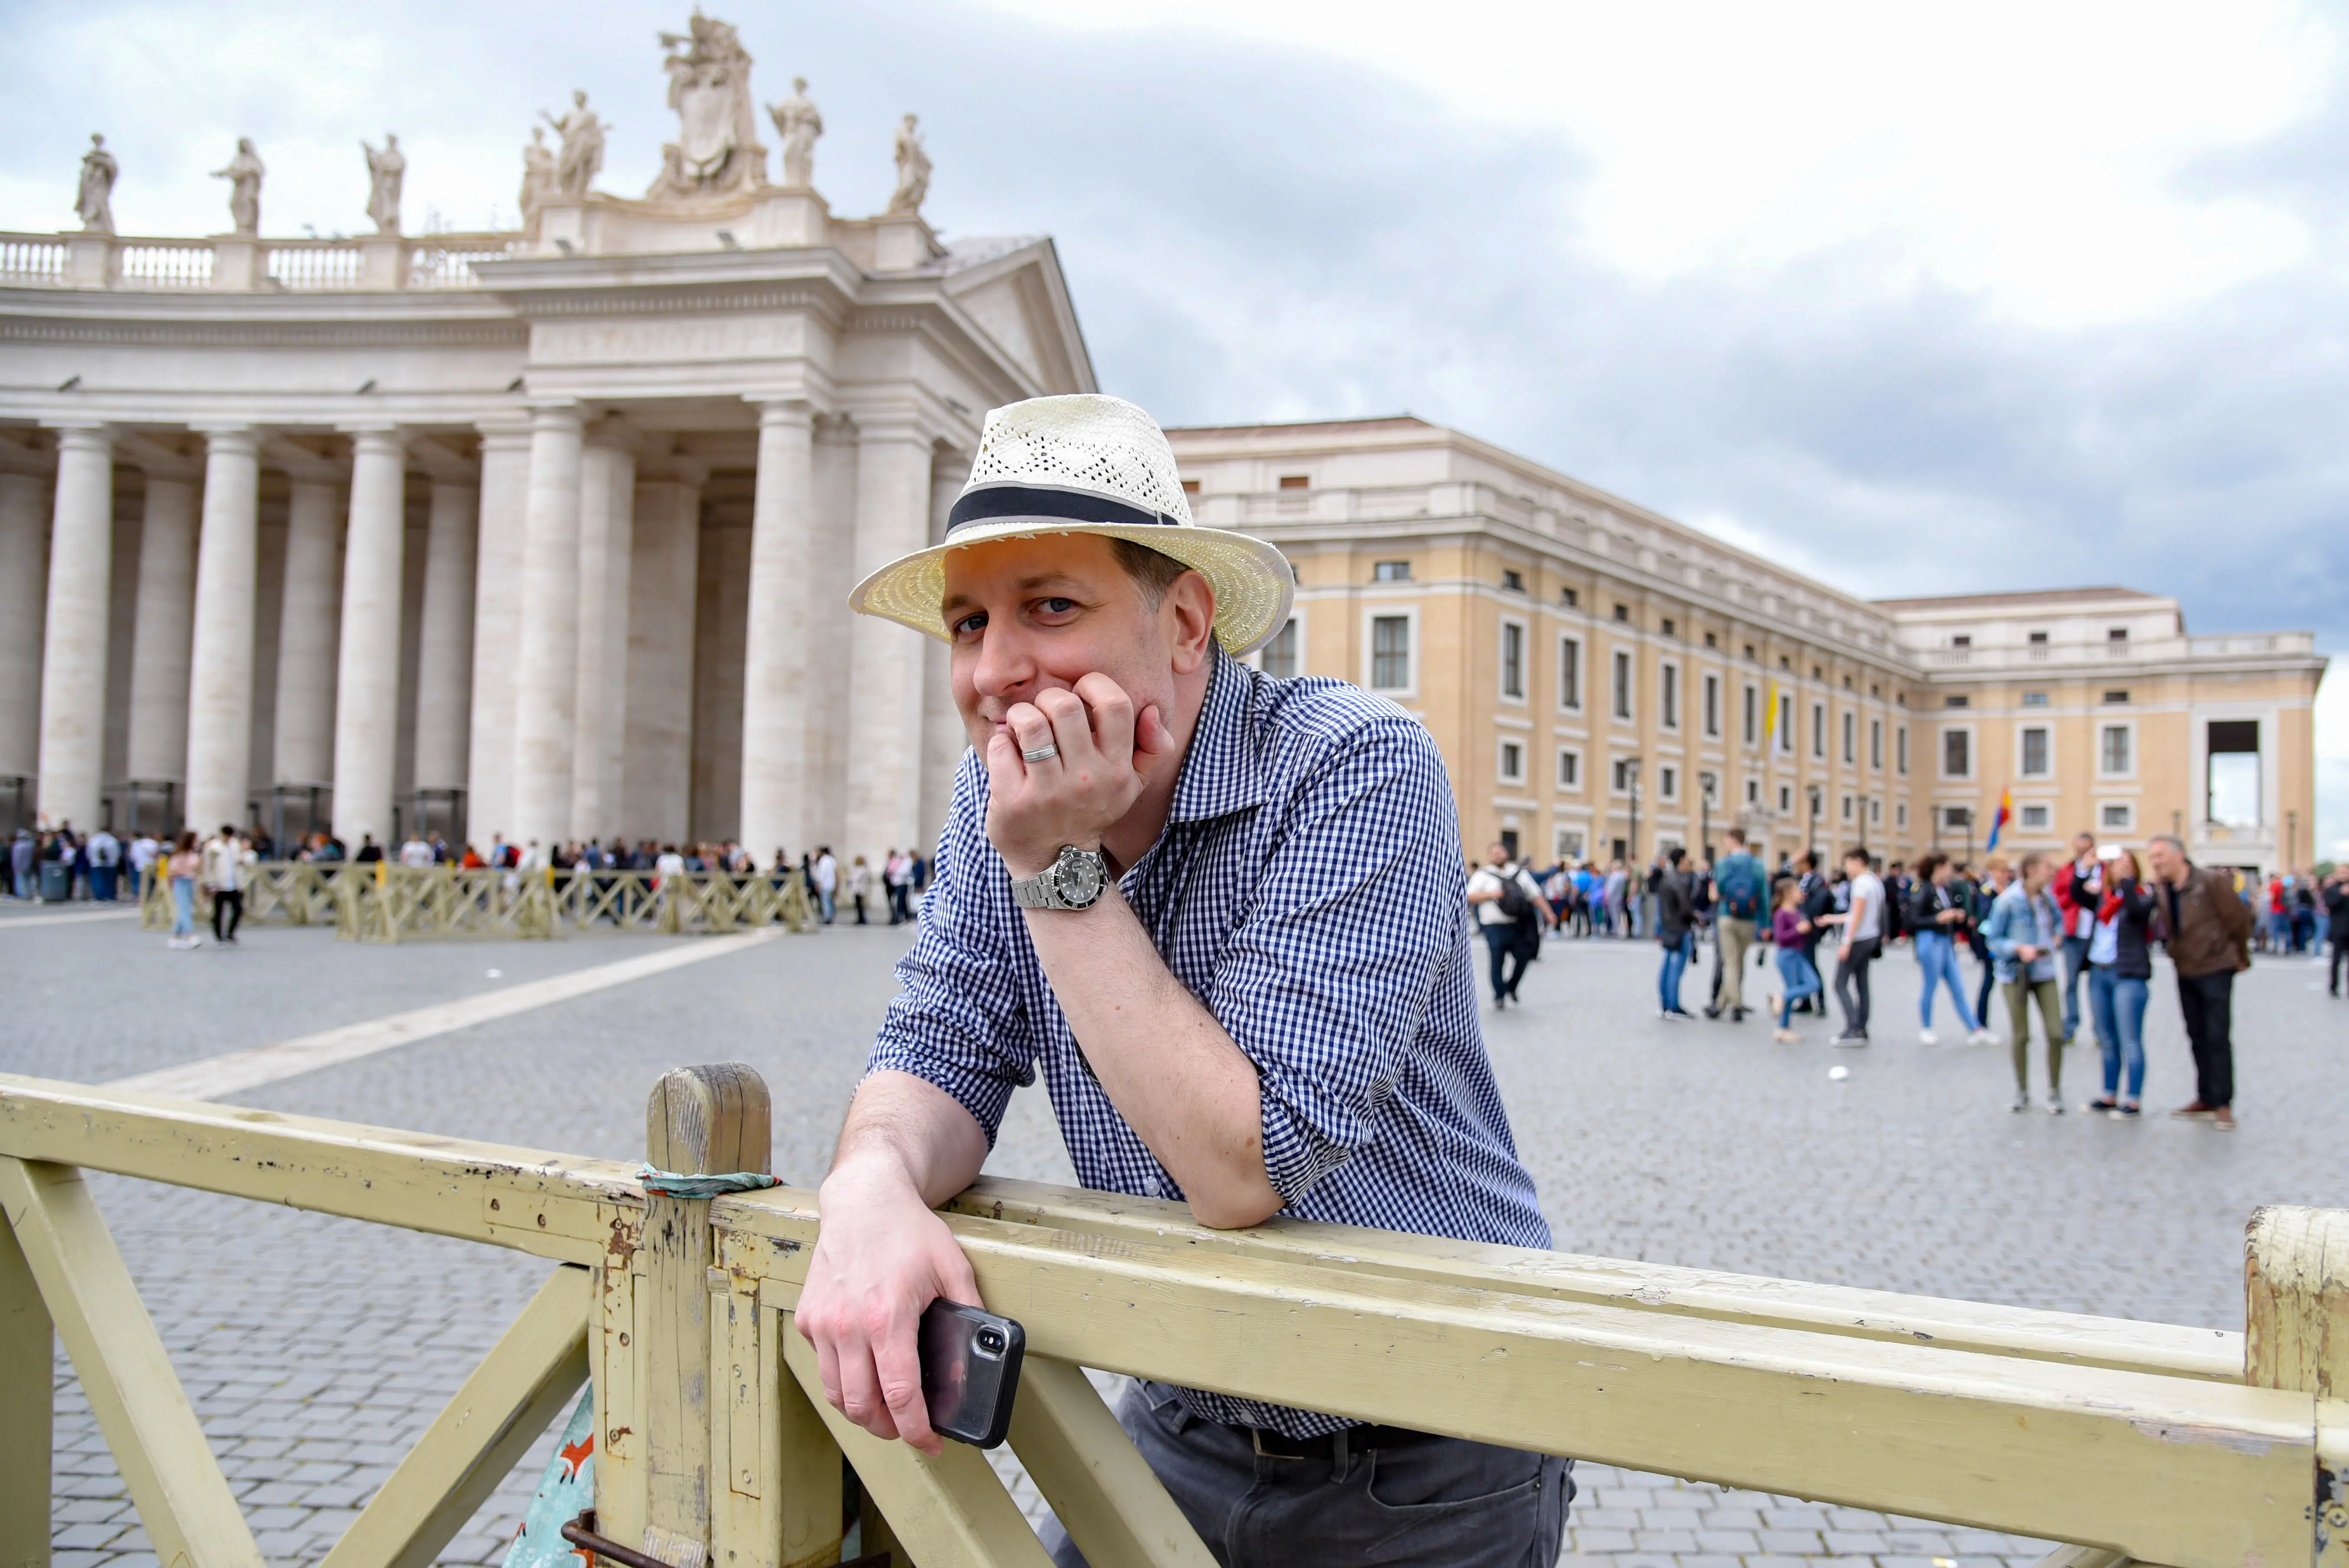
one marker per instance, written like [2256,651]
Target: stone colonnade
[584,630]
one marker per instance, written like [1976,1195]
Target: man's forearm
[902,1124]
[1166,1063]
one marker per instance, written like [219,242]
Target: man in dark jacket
[1676,927]
[2208,930]
[2336,912]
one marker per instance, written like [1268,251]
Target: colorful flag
[1770,718]
[1998,823]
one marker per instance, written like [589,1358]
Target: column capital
[77,436]
[231,441]
[504,438]
[792,409]
[616,433]
[895,425]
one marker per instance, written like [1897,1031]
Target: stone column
[367,677]
[309,632]
[884,676]
[656,790]
[775,666]
[163,627]
[547,678]
[608,504]
[943,739]
[444,668]
[497,633]
[220,662]
[23,576]
[73,650]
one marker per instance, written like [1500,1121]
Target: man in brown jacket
[2207,929]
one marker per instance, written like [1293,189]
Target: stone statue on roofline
[913,169]
[717,151]
[243,176]
[580,157]
[386,169]
[798,124]
[94,201]
[537,175]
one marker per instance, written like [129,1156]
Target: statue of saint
[717,149]
[537,175]
[913,169]
[385,170]
[798,124]
[582,158]
[243,176]
[95,200]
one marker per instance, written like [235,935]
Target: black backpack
[1515,904]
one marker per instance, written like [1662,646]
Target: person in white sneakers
[1936,918]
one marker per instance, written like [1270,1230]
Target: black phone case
[969,1390]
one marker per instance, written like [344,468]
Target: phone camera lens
[991,1341]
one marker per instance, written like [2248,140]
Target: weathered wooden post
[2296,1337]
[708,1455]
[27,1346]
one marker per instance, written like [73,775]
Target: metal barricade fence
[715,1448]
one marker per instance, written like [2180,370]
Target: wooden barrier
[2186,1447]
[383,902]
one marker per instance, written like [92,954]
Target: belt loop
[1340,1457]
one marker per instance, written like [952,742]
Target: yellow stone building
[1603,680]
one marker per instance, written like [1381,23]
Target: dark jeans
[1989,977]
[2208,1003]
[2075,964]
[228,910]
[1500,944]
[2334,964]
[1434,1500]
[1851,983]
[1677,954]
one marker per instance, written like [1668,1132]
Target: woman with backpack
[1937,919]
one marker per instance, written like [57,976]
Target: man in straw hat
[1244,897]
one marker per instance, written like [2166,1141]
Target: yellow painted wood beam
[1100,1489]
[528,1378]
[175,1482]
[27,1363]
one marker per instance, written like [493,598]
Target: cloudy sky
[1984,297]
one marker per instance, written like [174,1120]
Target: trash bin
[57,881]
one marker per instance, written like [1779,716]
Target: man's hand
[1104,750]
[881,1257]
[2026,952]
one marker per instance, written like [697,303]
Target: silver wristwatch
[1073,881]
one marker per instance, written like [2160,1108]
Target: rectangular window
[1876,812]
[1875,743]
[1785,799]
[1753,717]
[1957,754]
[1819,730]
[1570,769]
[1754,791]
[1786,724]
[1713,706]
[1668,782]
[1295,481]
[1850,737]
[2035,699]
[2038,759]
[2034,819]
[1513,660]
[1621,775]
[1901,747]
[2114,757]
[1569,673]
[1622,709]
[1390,652]
[1670,689]
[1957,700]
[2115,816]
[1569,843]
[1280,654]
[1513,762]
[1900,817]
[1961,640]
[1391,572]
[1847,809]
[2116,635]
[1513,581]
[1670,629]
[1568,597]
[1957,818]
[2038,639]
[1623,613]
[2233,796]
[2115,698]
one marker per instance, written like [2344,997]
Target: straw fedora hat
[1086,463]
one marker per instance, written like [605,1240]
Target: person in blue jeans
[1788,928]
[2120,968]
[1675,907]
[1937,919]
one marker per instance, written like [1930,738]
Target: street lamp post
[1632,768]
[1816,795]
[1705,786]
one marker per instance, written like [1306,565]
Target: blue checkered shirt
[1308,890]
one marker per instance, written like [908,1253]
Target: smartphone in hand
[970,1371]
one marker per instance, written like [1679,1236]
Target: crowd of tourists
[2041,930]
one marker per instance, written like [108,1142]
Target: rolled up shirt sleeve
[957,1020]
[1327,980]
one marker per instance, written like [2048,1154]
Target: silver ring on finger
[1044,753]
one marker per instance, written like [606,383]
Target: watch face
[1077,877]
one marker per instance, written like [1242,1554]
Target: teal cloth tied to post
[670,1184]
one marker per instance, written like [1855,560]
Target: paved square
[317,1349]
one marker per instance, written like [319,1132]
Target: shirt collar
[1222,772]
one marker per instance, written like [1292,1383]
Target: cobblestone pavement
[317,1349]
